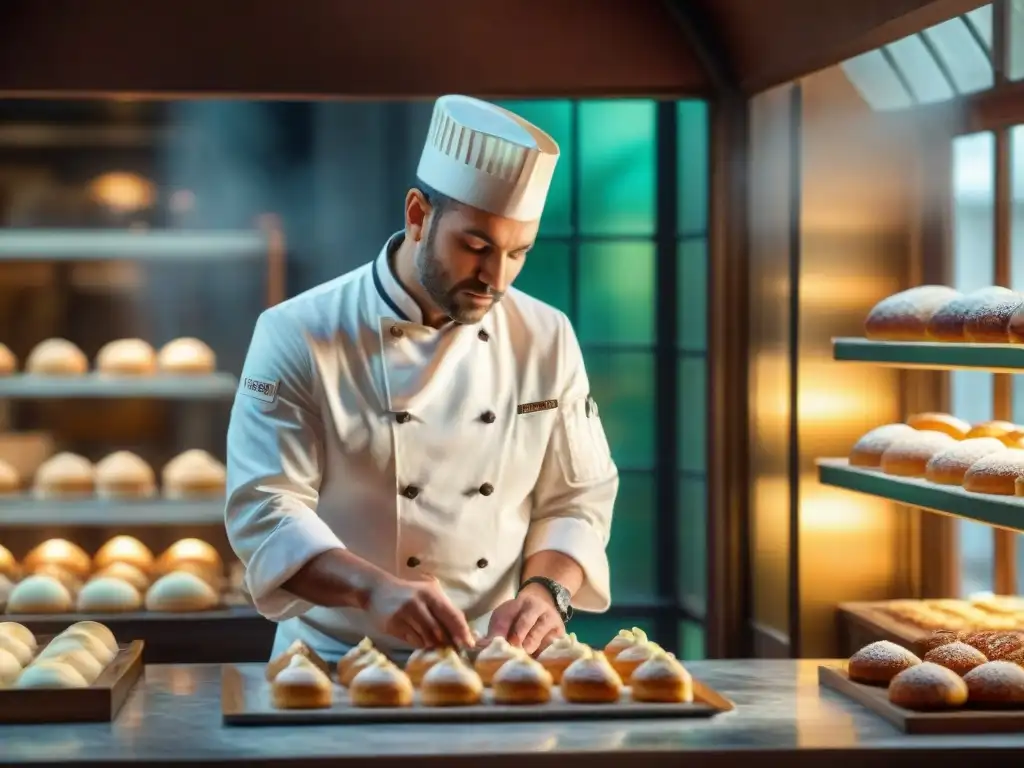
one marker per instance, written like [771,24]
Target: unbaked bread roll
[9,668]
[123,475]
[995,428]
[8,362]
[904,316]
[125,572]
[68,580]
[187,356]
[867,452]
[194,473]
[181,593]
[126,357]
[909,456]
[948,323]
[51,674]
[108,595]
[10,480]
[21,633]
[189,551]
[57,357]
[95,630]
[956,428]
[39,594]
[79,659]
[950,466]
[996,473]
[989,322]
[63,475]
[62,553]
[16,648]
[123,549]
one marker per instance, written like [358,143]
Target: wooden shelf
[1000,511]
[29,511]
[216,386]
[937,356]
[112,245]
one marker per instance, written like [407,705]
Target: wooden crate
[863,623]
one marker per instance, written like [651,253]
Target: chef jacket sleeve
[274,455]
[578,482]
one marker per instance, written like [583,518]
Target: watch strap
[559,594]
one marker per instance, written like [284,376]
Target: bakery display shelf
[1001,511]
[936,356]
[29,511]
[215,386]
[108,245]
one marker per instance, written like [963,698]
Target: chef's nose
[494,270]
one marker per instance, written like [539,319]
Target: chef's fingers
[418,614]
[501,620]
[451,619]
[545,623]
[410,634]
[550,637]
[525,622]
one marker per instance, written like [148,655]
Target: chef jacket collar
[390,291]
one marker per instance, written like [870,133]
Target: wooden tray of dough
[245,700]
[863,623]
[99,703]
[955,721]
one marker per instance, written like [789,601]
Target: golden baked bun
[124,572]
[68,580]
[956,428]
[10,668]
[19,632]
[996,684]
[123,475]
[126,357]
[186,356]
[420,662]
[179,592]
[10,480]
[381,684]
[904,316]
[65,474]
[989,322]
[909,456]
[996,645]
[661,680]
[562,652]
[1016,326]
[297,648]
[995,428]
[880,662]
[57,357]
[1014,439]
[950,466]
[948,322]
[592,680]
[357,665]
[123,549]
[958,657]
[996,473]
[62,553]
[50,674]
[96,631]
[8,565]
[867,452]
[194,474]
[928,686]
[301,685]
[493,657]
[8,361]
[451,683]
[39,594]
[189,550]
[351,656]
[108,595]
[624,639]
[521,680]
[16,648]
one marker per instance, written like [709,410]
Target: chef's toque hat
[488,158]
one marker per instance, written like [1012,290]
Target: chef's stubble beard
[437,282]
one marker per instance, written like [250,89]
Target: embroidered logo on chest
[542,405]
[261,389]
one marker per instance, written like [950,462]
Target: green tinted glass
[691,431]
[691,641]
[616,290]
[692,294]
[622,383]
[597,630]
[631,549]
[692,547]
[692,148]
[547,274]
[617,161]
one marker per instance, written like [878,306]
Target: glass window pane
[692,305]
[1015,35]
[547,274]
[876,81]
[692,430]
[616,290]
[622,383]
[981,20]
[555,118]
[597,630]
[692,548]
[631,549]
[921,70]
[617,161]
[965,58]
[691,641]
[692,174]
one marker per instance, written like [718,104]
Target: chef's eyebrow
[481,235]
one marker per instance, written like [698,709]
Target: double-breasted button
[397,332]
[488,417]
[412,562]
[410,491]
[486,489]
[482,562]
[402,417]
[483,335]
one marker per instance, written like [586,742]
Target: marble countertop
[173,718]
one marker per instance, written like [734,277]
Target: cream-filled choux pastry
[302,685]
[521,680]
[297,648]
[10,668]
[124,572]
[194,474]
[50,674]
[186,356]
[57,357]
[39,594]
[662,680]
[8,361]
[126,357]
[591,680]
[380,684]
[10,480]
[421,660]
[562,652]
[60,552]
[628,660]
[180,592]
[493,656]
[451,683]
[623,640]
[108,595]
[123,549]
[123,475]
[353,654]
[65,475]
[357,665]
[19,632]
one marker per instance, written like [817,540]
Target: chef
[414,454]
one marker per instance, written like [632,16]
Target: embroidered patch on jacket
[542,405]
[261,389]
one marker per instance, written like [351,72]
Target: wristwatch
[559,594]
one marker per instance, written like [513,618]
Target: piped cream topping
[365,646]
[381,672]
[500,648]
[661,666]
[450,669]
[593,666]
[634,635]
[301,671]
[639,652]
[523,670]
[567,647]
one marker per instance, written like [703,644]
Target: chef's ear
[416,209]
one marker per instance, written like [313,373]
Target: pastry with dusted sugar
[126,357]
[1016,326]
[997,645]
[928,687]
[357,665]
[381,684]
[123,475]
[186,356]
[108,595]
[39,594]
[562,652]
[868,450]
[591,680]
[352,655]
[494,656]
[989,322]
[948,322]
[420,662]
[124,572]
[939,638]
[879,662]
[624,639]
[996,428]
[995,684]
[940,422]
[1018,486]
[957,656]
[10,668]
[522,680]
[297,648]
[65,475]
[451,683]
[302,685]
[123,549]
[10,480]
[19,632]
[57,357]
[909,456]
[996,473]
[50,674]
[904,316]
[628,660]
[950,466]
[8,361]
[1014,439]
[194,474]
[60,552]
[180,592]
[661,680]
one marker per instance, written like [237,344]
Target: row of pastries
[123,576]
[300,679]
[990,315]
[194,473]
[73,659]
[122,357]
[983,611]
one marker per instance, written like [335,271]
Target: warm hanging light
[122,192]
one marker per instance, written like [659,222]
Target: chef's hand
[531,620]
[419,612]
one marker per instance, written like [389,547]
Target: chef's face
[467,258]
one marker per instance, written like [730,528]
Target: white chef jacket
[455,452]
